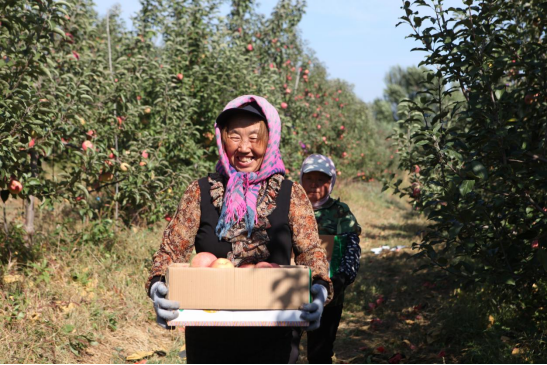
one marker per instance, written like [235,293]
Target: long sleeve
[350,262]
[307,247]
[349,230]
[179,236]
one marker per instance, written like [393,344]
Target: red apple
[31,143]
[247,266]
[535,244]
[417,169]
[249,47]
[180,77]
[144,154]
[529,99]
[222,264]
[263,265]
[274,265]
[87,145]
[283,105]
[167,217]
[203,259]
[15,187]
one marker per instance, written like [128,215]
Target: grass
[80,298]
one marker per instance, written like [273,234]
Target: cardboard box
[270,318]
[327,242]
[202,288]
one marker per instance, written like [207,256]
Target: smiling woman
[246,212]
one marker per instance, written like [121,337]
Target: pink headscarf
[240,197]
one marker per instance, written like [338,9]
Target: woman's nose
[244,146]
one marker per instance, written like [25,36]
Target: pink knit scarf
[240,197]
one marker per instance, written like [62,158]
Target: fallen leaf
[491,321]
[395,359]
[9,279]
[139,355]
[409,321]
[381,349]
[68,308]
[515,351]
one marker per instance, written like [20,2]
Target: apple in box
[203,259]
[222,264]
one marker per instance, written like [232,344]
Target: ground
[83,299]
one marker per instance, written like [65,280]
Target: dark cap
[251,108]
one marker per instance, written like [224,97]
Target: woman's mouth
[244,160]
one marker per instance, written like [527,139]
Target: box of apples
[212,292]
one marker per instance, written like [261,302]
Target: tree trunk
[29,217]
[29,211]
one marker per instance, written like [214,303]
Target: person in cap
[338,230]
[246,212]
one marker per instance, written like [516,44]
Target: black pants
[241,345]
[321,341]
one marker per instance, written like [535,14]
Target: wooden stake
[116,211]
[5,221]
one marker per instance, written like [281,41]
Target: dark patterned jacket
[335,218]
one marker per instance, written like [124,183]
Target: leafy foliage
[475,143]
[117,122]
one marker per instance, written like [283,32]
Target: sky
[355,39]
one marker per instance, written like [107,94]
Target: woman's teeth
[245,159]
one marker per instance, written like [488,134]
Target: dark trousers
[321,341]
[241,345]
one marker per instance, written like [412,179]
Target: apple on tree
[15,187]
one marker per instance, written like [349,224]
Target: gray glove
[312,312]
[166,310]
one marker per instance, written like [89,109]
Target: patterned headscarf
[241,194]
[322,164]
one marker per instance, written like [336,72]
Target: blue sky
[356,39]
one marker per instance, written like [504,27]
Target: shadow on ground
[387,312]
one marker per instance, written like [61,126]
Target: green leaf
[60,32]
[466,187]
[67,328]
[45,71]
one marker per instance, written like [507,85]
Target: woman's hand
[312,312]
[166,310]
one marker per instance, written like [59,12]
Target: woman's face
[316,184]
[243,144]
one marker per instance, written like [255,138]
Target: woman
[246,212]
[339,228]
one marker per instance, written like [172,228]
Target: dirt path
[388,310]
